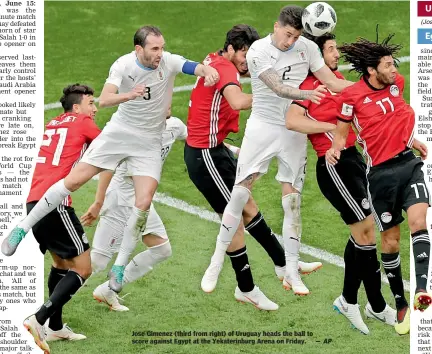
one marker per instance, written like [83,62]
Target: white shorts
[264,141]
[113,217]
[116,144]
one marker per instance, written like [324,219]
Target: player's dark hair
[291,16]
[240,37]
[321,40]
[364,54]
[141,35]
[73,94]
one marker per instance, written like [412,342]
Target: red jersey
[210,117]
[384,121]
[65,140]
[324,112]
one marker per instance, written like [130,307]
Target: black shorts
[395,185]
[213,171]
[60,232]
[345,185]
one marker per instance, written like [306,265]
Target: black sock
[351,279]
[260,231]
[63,292]
[240,264]
[370,274]
[392,267]
[55,321]
[421,250]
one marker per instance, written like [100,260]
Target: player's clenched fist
[332,156]
[137,91]
[211,76]
[317,94]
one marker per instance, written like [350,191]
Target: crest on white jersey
[161,75]
[255,62]
[394,90]
[302,55]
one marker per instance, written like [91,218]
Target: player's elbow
[103,102]
[289,124]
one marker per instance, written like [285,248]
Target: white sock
[144,262]
[135,226]
[230,221]
[99,261]
[291,230]
[49,201]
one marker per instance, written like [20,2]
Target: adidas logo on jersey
[422,255]
[367,100]
[390,275]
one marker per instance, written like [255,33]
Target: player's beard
[149,62]
[383,80]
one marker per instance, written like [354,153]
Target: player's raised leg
[158,250]
[145,188]
[50,201]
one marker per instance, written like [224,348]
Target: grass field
[82,40]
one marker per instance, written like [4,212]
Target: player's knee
[99,261]
[144,202]
[73,181]
[367,232]
[161,252]
[291,206]
[390,243]
[84,270]
[239,197]
[417,223]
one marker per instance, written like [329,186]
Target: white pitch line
[184,88]
[211,216]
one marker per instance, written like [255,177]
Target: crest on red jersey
[394,90]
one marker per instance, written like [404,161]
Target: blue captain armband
[189,67]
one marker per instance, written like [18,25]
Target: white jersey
[146,113]
[122,182]
[292,65]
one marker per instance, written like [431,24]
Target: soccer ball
[319,18]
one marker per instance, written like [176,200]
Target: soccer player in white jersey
[141,83]
[278,64]
[114,201]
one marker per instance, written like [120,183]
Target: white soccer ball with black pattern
[319,18]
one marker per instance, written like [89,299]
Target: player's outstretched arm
[339,141]
[271,78]
[236,98]
[109,96]
[93,211]
[210,75]
[296,120]
[326,76]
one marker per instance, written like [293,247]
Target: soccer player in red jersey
[385,127]
[213,114]
[65,139]
[345,186]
